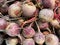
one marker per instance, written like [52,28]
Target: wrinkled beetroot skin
[12,29]
[3,24]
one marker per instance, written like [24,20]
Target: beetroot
[39,37]
[3,24]
[46,14]
[29,41]
[13,30]
[55,23]
[44,25]
[28,31]
[15,9]
[11,41]
[52,39]
[28,9]
[48,3]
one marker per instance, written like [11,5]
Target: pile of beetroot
[30,22]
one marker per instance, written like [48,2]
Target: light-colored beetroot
[11,41]
[55,23]
[14,10]
[39,37]
[29,41]
[28,9]
[52,39]
[46,14]
[28,31]
[3,24]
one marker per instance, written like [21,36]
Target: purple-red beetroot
[28,31]
[13,30]
[3,24]
[39,37]
[29,41]
[28,9]
[52,39]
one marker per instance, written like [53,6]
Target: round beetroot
[52,39]
[39,37]
[28,9]
[55,23]
[11,41]
[14,10]
[46,14]
[12,29]
[49,3]
[28,32]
